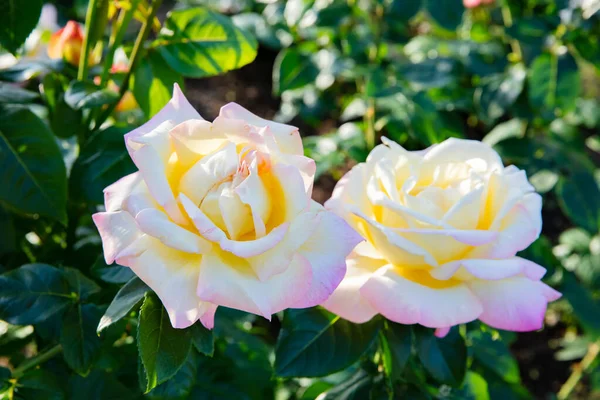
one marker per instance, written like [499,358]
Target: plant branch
[578,371]
[125,17]
[133,61]
[37,360]
[90,17]
[508,22]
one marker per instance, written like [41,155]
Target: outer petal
[156,224]
[326,250]
[118,230]
[173,275]
[177,110]
[407,302]
[490,269]
[115,194]
[514,304]
[229,281]
[346,301]
[478,154]
[208,315]
[287,136]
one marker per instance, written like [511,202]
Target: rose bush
[221,214]
[443,227]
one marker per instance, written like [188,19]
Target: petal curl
[514,304]
[407,302]
[117,230]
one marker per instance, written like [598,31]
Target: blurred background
[520,75]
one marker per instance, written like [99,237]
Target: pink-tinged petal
[287,136]
[152,170]
[115,194]
[156,224]
[229,281]
[326,250]
[209,171]
[393,246]
[177,110]
[173,275]
[346,301]
[407,302]
[307,168]
[207,317]
[211,232]
[489,269]
[441,332]
[514,304]
[117,230]
[193,139]
[478,155]
[549,293]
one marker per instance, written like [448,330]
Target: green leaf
[180,385]
[505,130]
[293,70]
[39,384]
[32,171]
[474,388]
[257,25]
[430,73]
[81,95]
[127,297]
[81,285]
[8,240]
[399,344]
[554,82]
[585,307]
[98,385]
[402,10]
[447,13]
[357,387]
[103,160]
[198,42]
[202,339]
[446,358]
[544,181]
[579,198]
[33,293]
[78,336]
[14,94]
[153,83]
[163,349]
[499,92]
[494,355]
[17,20]
[111,273]
[306,332]
[576,238]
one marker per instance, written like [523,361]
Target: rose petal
[117,231]
[229,281]
[514,304]
[287,136]
[408,302]
[490,269]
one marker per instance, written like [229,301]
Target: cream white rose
[442,229]
[221,214]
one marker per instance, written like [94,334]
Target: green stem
[37,360]
[125,17]
[85,51]
[508,22]
[133,61]
[578,371]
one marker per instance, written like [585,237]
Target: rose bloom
[442,229]
[67,43]
[221,214]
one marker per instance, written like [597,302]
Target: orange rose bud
[67,43]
